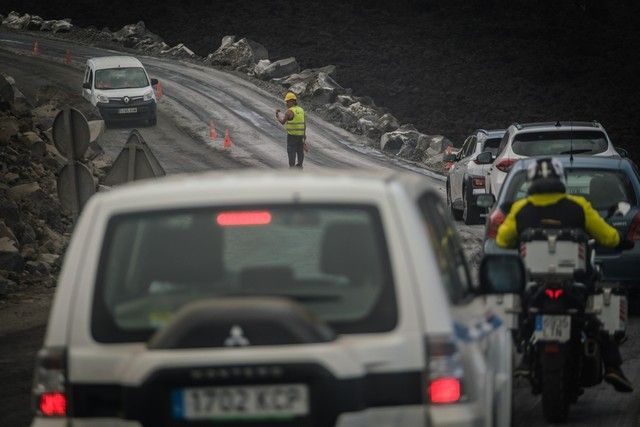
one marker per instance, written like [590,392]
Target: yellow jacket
[559,210]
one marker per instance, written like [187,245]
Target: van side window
[91,77]
[447,247]
[86,75]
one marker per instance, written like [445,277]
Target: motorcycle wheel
[556,395]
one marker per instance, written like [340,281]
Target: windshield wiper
[581,151]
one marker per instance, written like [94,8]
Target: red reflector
[226,219]
[444,390]
[52,404]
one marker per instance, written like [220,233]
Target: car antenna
[571,143]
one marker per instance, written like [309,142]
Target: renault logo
[126,99]
[236,338]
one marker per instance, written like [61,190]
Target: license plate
[259,403]
[552,328]
[127,110]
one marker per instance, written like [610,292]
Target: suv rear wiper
[581,151]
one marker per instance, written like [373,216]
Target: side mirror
[154,82]
[450,158]
[501,274]
[622,151]
[86,85]
[484,158]
[485,200]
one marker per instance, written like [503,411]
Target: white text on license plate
[127,110]
[241,403]
[552,328]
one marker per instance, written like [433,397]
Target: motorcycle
[566,317]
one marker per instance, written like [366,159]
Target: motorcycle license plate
[256,403]
[552,328]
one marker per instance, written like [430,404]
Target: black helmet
[546,176]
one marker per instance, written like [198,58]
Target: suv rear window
[492,144]
[330,259]
[602,188]
[559,142]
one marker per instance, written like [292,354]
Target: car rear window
[559,142]
[330,259]
[602,188]
[492,145]
[121,78]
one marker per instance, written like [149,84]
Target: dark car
[604,182]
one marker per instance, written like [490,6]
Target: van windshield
[121,78]
[331,260]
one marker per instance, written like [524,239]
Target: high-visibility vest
[296,125]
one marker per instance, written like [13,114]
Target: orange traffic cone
[212,131]
[67,58]
[159,92]
[36,49]
[227,140]
[449,163]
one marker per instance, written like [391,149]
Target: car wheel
[456,214]
[470,213]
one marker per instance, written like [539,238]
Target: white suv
[547,139]
[271,299]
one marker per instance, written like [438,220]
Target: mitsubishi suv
[273,299]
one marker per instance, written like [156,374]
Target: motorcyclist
[548,206]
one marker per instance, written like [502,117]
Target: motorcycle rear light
[551,348]
[634,229]
[496,218]
[505,164]
[445,371]
[554,293]
[48,393]
[242,218]
[478,182]
[445,390]
[53,404]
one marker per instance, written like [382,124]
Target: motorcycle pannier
[552,252]
[611,309]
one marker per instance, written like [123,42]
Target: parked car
[466,179]
[604,182]
[273,299]
[547,139]
[120,88]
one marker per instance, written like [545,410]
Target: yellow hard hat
[290,96]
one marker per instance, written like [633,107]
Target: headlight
[103,99]
[148,96]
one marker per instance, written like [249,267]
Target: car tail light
[496,218]
[634,229]
[239,218]
[445,371]
[505,164]
[49,397]
[477,182]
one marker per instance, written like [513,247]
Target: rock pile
[34,228]
[35,23]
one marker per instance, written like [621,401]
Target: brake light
[478,182]
[50,375]
[496,218]
[554,293]
[53,404]
[239,218]
[634,229]
[445,390]
[505,164]
[445,371]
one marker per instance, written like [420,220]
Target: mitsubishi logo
[126,99]
[236,338]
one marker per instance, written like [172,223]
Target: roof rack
[557,123]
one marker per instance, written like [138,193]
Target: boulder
[277,69]
[57,160]
[342,116]
[15,21]
[35,143]
[387,123]
[34,23]
[322,89]
[179,50]
[346,100]
[48,258]
[305,75]
[62,26]
[361,110]
[22,191]
[262,65]
[368,128]
[242,55]
[10,258]
[10,178]
[47,25]
[392,142]
[437,145]
[7,232]
[133,35]
[9,127]
[13,97]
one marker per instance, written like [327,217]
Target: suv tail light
[445,371]
[634,229]
[496,218]
[49,397]
[505,164]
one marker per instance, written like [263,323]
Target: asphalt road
[193,96]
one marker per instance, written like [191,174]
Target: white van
[121,89]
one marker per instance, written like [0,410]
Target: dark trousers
[295,146]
